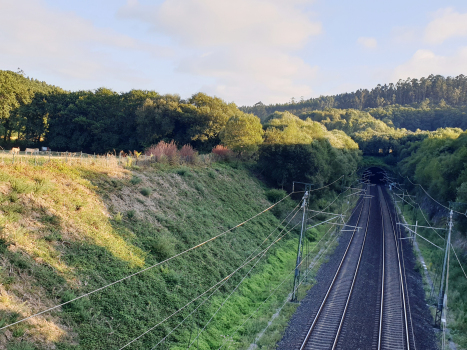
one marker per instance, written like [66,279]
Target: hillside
[69,230]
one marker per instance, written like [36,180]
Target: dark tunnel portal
[376,176]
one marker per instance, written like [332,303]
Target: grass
[71,229]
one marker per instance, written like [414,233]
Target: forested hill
[426,103]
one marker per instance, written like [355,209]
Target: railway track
[390,323]
[324,329]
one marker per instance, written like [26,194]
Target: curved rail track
[391,325]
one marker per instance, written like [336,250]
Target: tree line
[435,90]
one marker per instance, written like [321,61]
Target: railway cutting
[361,299]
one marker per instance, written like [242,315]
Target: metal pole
[297,264]
[415,234]
[445,299]
[439,311]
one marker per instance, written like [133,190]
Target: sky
[243,51]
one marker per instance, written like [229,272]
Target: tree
[242,133]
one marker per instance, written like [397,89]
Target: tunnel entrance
[376,175]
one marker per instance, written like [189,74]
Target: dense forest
[435,90]
[411,124]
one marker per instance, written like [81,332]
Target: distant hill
[435,91]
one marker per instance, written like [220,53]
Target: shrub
[145,191]
[183,171]
[20,186]
[275,195]
[135,180]
[188,154]
[222,153]
[119,217]
[164,151]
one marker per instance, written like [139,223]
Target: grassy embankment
[457,289]
[69,230]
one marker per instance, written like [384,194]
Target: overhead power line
[198,297]
[415,184]
[148,268]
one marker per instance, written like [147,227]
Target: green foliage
[434,90]
[22,346]
[184,171]
[145,191]
[301,150]
[100,121]
[197,121]
[135,180]
[275,195]
[242,133]
[287,129]
[439,164]
[17,92]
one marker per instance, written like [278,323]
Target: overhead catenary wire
[193,300]
[326,221]
[424,217]
[149,267]
[458,260]
[290,274]
[264,252]
[236,287]
[415,184]
[320,254]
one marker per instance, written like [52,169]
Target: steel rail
[388,288]
[353,281]
[404,303]
[382,282]
[323,303]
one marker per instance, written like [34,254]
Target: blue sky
[243,51]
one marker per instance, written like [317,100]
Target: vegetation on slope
[69,230]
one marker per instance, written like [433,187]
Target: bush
[188,154]
[222,153]
[184,172]
[164,151]
[135,180]
[275,195]
[20,186]
[145,191]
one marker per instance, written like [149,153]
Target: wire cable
[149,267]
[215,313]
[264,252]
[198,297]
[415,184]
[458,260]
[285,279]
[228,297]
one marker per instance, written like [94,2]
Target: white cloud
[247,47]
[369,43]
[226,22]
[446,24]
[426,62]
[250,77]
[35,37]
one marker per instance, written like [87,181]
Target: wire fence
[40,158]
